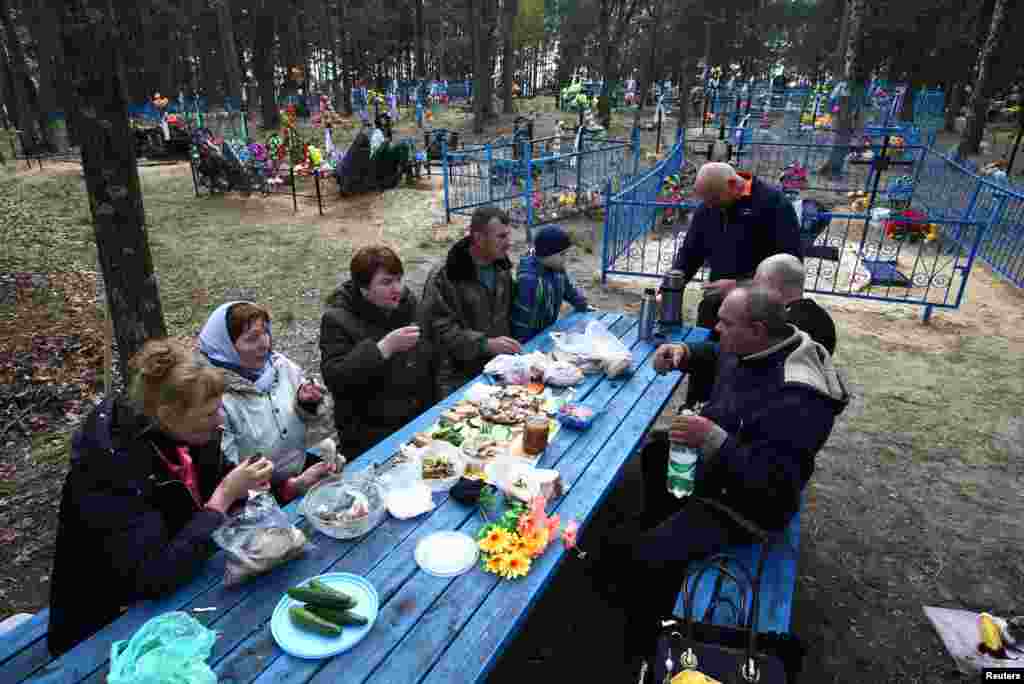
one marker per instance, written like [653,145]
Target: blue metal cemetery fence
[537,181]
[864,252]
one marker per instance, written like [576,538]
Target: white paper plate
[446,553]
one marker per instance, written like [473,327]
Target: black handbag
[729,654]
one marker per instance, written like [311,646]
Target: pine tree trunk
[91,45]
[21,98]
[956,98]
[851,72]
[977,107]
[509,10]
[263,48]
[479,65]
[229,53]
[346,63]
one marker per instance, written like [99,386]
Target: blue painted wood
[26,661]
[414,599]
[27,632]
[777,587]
[260,642]
[415,605]
[479,644]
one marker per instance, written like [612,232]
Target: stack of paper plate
[446,554]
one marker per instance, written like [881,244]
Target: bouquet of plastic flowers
[509,547]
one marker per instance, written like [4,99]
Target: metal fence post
[528,191]
[445,170]
[490,172]
[604,237]
[635,136]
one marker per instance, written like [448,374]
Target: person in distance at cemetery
[270,408]
[774,402]
[380,368]
[148,485]
[542,284]
[468,300]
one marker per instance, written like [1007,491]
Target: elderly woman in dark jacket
[380,370]
[146,490]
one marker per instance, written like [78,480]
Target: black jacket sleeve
[787,229]
[134,537]
[345,361]
[693,253]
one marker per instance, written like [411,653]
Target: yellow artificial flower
[496,564]
[517,564]
[498,540]
[536,541]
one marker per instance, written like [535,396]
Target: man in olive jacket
[467,301]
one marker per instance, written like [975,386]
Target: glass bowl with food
[345,507]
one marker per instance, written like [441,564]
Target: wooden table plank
[24,635]
[259,644]
[410,597]
[477,647]
[455,601]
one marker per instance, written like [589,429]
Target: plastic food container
[577,416]
[450,453]
[336,505]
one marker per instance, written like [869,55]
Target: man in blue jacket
[772,408]
[741,222]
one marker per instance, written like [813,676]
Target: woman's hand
[309,393]
[253,473]
[398,341]
[313,474]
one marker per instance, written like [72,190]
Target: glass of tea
[535,436]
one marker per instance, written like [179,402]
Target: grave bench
[778,583]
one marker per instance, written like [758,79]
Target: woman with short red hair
[381,372]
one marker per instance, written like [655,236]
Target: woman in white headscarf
[270,407]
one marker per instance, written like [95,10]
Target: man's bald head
[718,184]
[784,273]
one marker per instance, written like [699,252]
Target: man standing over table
[741,221]
[467,301]
[773,406]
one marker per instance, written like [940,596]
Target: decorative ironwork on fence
[537,181]
[854,246]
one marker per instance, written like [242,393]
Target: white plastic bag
[511,369]
[258,539]
[595,346]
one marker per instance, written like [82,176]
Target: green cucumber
[308,620]
[338,617]
[318,585]
[321,598]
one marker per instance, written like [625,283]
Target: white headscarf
[216,345]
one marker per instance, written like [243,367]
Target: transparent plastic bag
[511,369]
[169,649]
[595,347]
[258,539]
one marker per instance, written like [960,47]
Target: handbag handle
[748,670]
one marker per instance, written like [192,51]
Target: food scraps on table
[437,468]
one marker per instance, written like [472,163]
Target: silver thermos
[671,314]
[648,314]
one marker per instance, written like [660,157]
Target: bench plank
[24,634]
[777,587]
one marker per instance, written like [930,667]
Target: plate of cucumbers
[325,615]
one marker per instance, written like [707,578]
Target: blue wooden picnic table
[429,629]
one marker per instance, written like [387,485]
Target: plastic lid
[446,553]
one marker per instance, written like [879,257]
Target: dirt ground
[916,500]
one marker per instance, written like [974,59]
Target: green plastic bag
[169,649]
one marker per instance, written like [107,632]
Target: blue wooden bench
[721,605]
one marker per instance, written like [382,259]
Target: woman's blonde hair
[166,377]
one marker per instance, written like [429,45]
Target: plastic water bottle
[682,466]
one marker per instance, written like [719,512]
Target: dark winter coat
[735,240]
[463,314]
[126,531]
[373,396]
[774,411]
